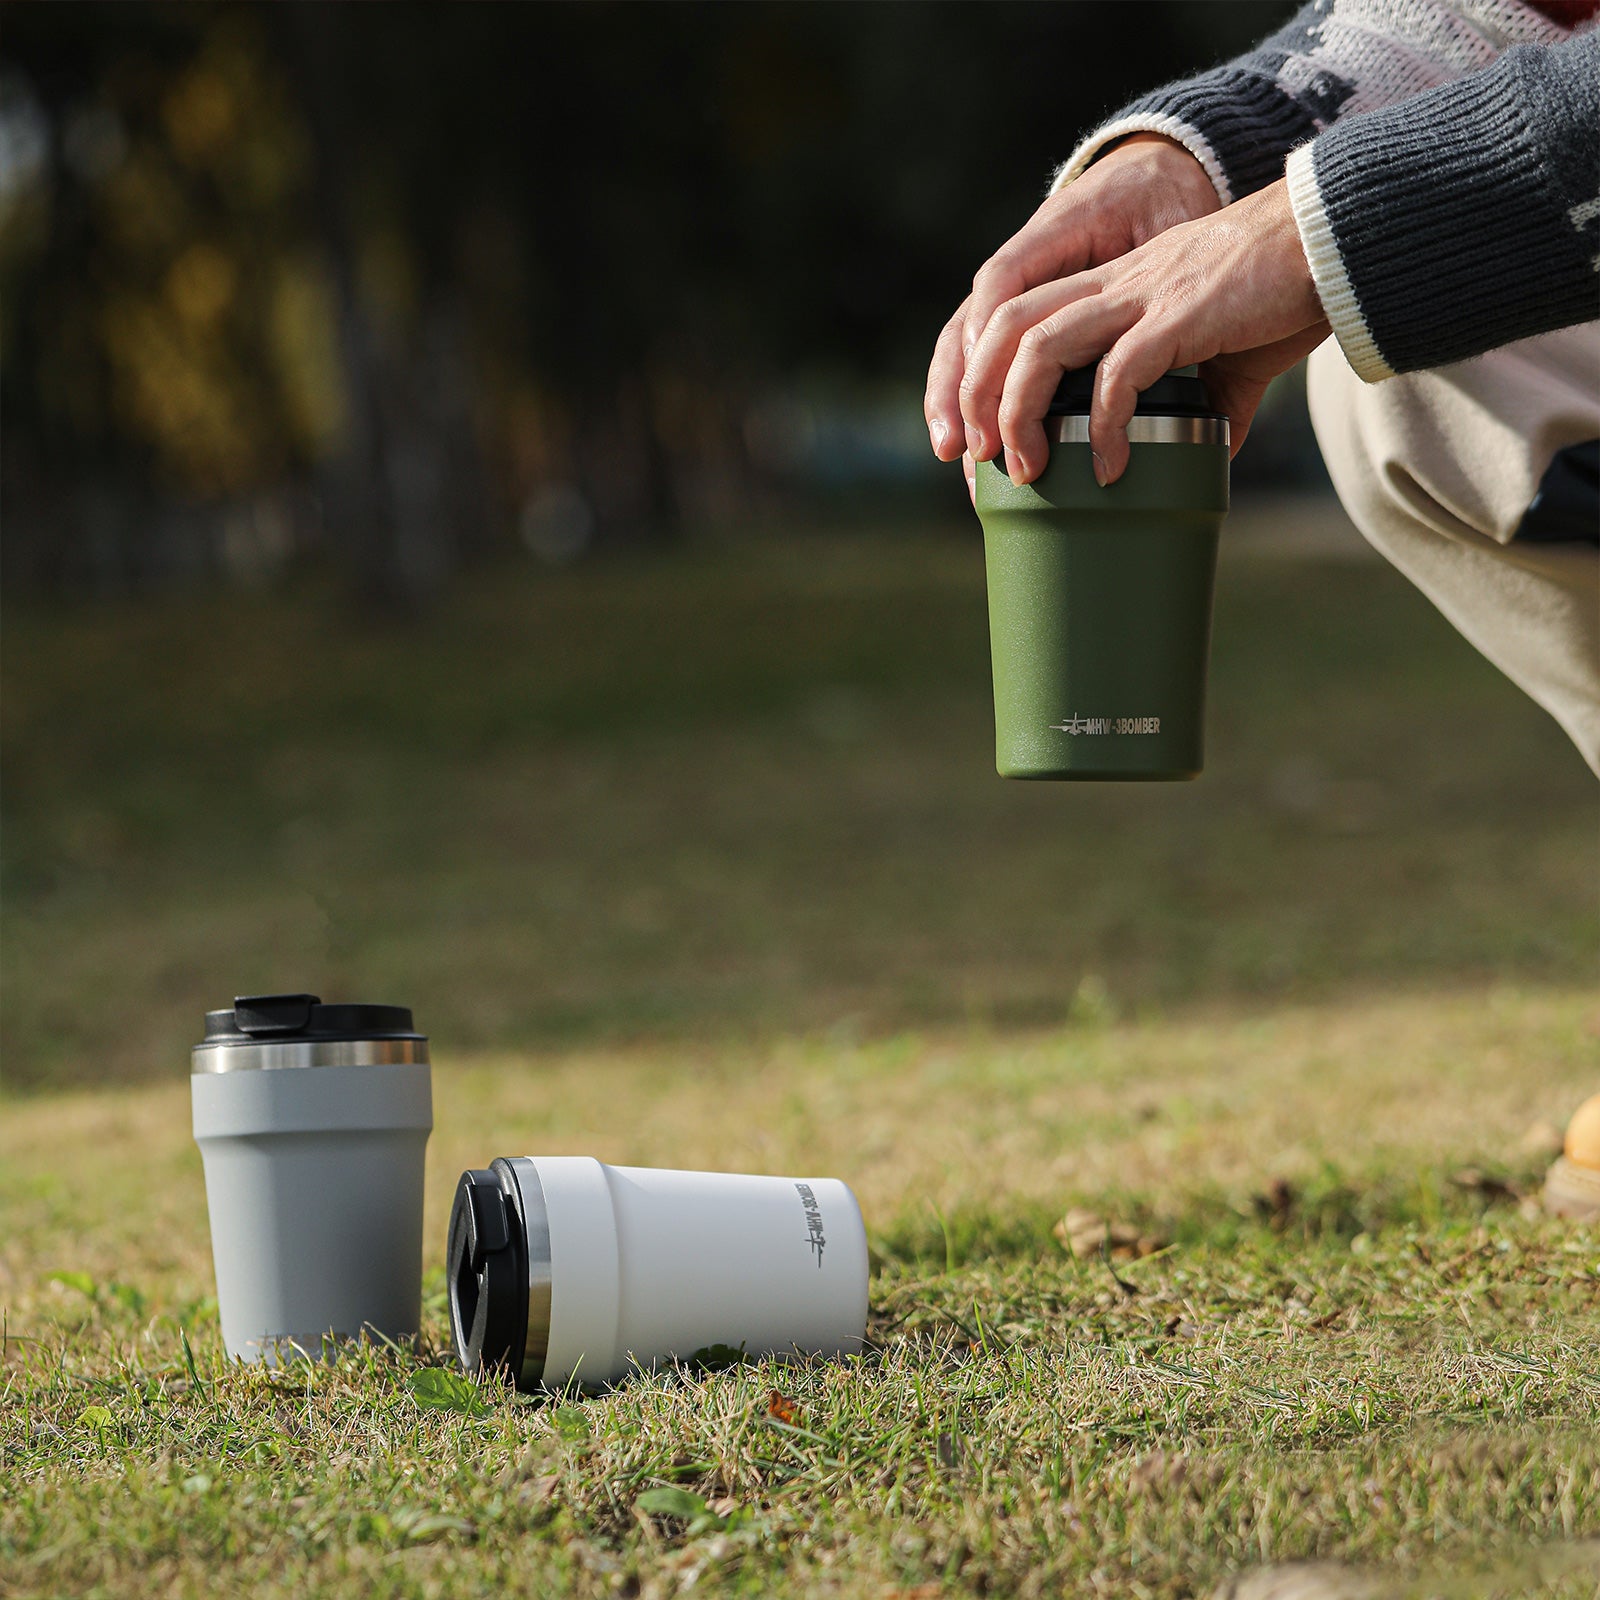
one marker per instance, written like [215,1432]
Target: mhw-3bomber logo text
[1077,724]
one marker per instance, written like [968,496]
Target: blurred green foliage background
[470,540]
[403,286]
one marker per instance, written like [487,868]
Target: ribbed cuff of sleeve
[1185,133]
[1338,298]
[1238,121]
[1459,220]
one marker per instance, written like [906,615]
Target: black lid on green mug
[1179,393]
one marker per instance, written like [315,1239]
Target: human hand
[1145,185]
[1231,291]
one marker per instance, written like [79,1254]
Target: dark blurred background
[470,540]
[404,287]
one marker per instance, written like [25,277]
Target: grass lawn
[701,861]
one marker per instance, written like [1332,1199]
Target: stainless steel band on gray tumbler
[1144,430]
[266,1057]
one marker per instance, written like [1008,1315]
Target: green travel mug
[1100,599]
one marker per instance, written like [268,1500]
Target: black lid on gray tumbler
[255,1017]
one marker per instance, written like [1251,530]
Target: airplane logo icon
[1074,724]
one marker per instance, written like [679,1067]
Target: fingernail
[1099,468]
[974,442]
[1013,469]
[938,433]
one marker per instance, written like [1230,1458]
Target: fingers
[1131,365]
[1053,243]
[1129,197]
[1071,336]
[941,404]
[1043,250]
[1230,291]
[1238,399]
[970,473]
[983,384]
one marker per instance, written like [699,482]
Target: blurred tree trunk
[408,493]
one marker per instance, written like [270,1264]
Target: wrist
[1166,160]
[1287,294]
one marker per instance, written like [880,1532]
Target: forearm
[1240,120]
[1462,219]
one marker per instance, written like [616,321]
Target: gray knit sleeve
[1331,60]
[1461,219]
[1242,118]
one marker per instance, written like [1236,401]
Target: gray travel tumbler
[313,1123]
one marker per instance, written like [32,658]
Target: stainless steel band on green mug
[1144,430]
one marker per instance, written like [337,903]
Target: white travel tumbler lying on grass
[565,1270]
[313,1124]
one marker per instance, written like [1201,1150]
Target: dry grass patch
[1350,1348]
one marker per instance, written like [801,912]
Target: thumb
[1238,399]
[1238,382]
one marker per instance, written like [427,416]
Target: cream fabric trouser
[1437,469]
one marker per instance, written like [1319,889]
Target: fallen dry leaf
[1541,1139]
[1300,1580]
[538,1490]
[783,1409]
[1485,1183]
[519,1467]
[1085,1234]
[1158,1471]
[1277,1204]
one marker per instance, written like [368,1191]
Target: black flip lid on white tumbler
[486,1264]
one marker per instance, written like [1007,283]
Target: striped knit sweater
[1443,160]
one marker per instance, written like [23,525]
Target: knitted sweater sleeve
[1240,119]
[1461,219]
[1332,58]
